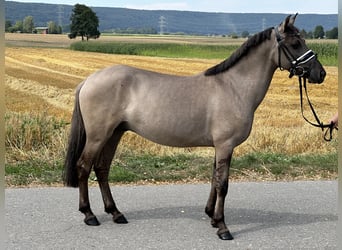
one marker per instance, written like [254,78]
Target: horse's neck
[253,75]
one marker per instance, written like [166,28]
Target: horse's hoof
[225,235]
[120,219]
[91,221]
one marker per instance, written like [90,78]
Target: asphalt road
[268,215]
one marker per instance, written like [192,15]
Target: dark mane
[240,52]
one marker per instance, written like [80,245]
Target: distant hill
[188,22]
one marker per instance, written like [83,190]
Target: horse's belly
[174,141]
[179,136]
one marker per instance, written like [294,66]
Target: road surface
[264,215]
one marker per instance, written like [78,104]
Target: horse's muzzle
[317,77]
[316,73]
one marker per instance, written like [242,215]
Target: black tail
[77,141]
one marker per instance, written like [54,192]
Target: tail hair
[77,139]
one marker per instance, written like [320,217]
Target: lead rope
[329,127]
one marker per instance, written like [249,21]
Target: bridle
[298,68]
[297,64]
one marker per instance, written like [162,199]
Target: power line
[162,24]
[263,23]
[60,15]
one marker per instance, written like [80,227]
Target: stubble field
[41,82]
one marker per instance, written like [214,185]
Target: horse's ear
[284,24]
[289,20]
[293,19]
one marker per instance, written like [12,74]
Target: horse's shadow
[257,219]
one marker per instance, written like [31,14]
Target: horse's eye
[296,45]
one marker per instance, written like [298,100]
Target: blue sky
[239,6]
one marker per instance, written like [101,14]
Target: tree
[8,25]
[54,28]
[28,24]
[18,27]
[332,34]
[303,33]
[84,22]
[245,34]
[318,32]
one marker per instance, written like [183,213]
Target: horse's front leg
[220,184]
[210,207]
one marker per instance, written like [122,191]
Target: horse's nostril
[323,74]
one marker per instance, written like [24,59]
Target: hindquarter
[102,101]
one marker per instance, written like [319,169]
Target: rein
[329,127]
[302,72]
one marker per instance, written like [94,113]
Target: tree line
[84,23]
[317,33]
[27,26]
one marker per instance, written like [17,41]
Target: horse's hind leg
[102,168]
[84,166]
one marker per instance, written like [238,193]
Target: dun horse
[214,108]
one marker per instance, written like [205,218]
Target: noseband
[297,68]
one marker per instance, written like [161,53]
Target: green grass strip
[327,52]
[130,168]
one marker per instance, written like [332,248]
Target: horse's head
[294,55]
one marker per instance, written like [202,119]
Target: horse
[214,108]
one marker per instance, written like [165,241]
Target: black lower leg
[210,207]
[90,219]
[118,217]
